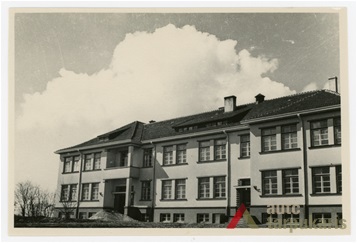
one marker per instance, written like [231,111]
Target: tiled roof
[138,131]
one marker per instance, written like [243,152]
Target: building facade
[201,168]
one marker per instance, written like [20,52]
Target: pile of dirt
[106,215]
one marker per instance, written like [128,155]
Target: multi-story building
[200,168]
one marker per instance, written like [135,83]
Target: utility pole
[336,87]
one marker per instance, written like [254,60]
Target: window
[65,193]
[220,187]
[202,218]
[204,151]
[180,192]
[67,165]
[289,137]
[97,157]
[181,154]
[123,162]
[76,164]
[95,191]
[73,195]
[179,217]
[220,149]
[319,133]
[269,218]
[321,180]
[85,191]
[203,187]
[291,219]
[145,190]
[269,139]
[245,146]
[166,189]
[270,183]
[168,155]
[147,157]
[291,181]
[339,179]
[88,162]
[90,214]
[165,217]
[337,129]
[322,218]
[82,215]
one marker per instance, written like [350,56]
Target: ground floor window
[203,218]
[82,215]
[291,219]
[269,218]
[165,217]
[179,217]
[322,218]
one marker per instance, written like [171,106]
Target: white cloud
[164,74]
[310,87]
[170,72]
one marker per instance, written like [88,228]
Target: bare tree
[32,201]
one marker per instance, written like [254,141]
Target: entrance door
[243,196]
[119,202]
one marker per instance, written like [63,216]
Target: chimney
[152,121]
[259,98]
[230,103]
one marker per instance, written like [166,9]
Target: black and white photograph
[180,119]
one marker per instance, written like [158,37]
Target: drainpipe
[79,183]
[228,174]
[153,183]
[306,185]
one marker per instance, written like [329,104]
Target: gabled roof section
[294,103]
[130,132]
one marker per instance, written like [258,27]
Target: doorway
[243,196]
[119,202]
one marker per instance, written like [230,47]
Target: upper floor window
[289,137]
[270,181]
[204,187]
[166,189]
[180,190]
[245,145]
[319,133]
[97,157]
[220,187]
[321,180]
[147,157]
[123,162]
[204,151]
[337,129]
[291,181]
[88,162]
[269,139]
[67,165]
[168,155]
[339,179]
[71,164]
[220,149]
[181,154]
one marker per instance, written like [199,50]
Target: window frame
[291,181]
[271,189]
[222,153]
[205,218]
[184,154]
[170,159]
[164,216]
[320,128]
[207,189]
[321,176]
[147,160]
[222,189]
[247,142]
[180,216]
[182,194]
[206,147]
[337,125]
[271,135]
[86,160]
[338,169]
[146,190]
[168,186]
[82,192]
[92,195]
[289,133]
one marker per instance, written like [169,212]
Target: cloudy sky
[79,75]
